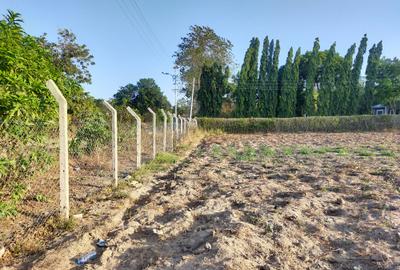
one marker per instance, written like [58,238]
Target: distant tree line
[314,83]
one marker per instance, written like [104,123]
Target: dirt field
[279,201]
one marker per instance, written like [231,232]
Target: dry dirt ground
[276,201]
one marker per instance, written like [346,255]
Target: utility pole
[174,78]
[191,102]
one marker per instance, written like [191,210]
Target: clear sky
[126,48]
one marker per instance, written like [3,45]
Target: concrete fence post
[138,137]
[154,132]
[176,126]
[171,117]
[114,141]
[63,129]
[185,125]
[181,124]
[164,130]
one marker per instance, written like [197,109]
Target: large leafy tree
[372,75]
[144,94]
[285,102]
[272,87]
[72,58]
[263,79]
[246,91]
[387,88]
[200,47]
[355,92]
[213,87]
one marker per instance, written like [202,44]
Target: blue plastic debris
[101,243]
[85,258]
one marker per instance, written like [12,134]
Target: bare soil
[276,201]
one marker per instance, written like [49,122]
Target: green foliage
[286,102]
[312,68]
[355,93]
[162,161]
[263,79]
[272,84]
[328,79]
[93,134]
[41,198]
[372,76]
[247,85]
[145,94]
[72,58]
[302,124]
[213,87]
[387,87]
[201,47]
[7,209]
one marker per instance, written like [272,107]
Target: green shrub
[93,133]
[303,124]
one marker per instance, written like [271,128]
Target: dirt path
[282,201]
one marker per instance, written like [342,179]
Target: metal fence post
[114,142]
[164,131]
[63,126]
[138,137]
[154,132]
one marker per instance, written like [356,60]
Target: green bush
[93,133]
[303,124]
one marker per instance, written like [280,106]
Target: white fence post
[181,124]
[171,117]
[184,125]
[114,141]
[138,137]
[154,132]
[164,131]
[176,126]
[63,126]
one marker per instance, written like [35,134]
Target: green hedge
[303,124]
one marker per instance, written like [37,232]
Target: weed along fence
[163,138]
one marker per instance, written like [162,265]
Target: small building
[380,109]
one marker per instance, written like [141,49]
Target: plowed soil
[276,201]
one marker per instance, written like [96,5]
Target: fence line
[181,129]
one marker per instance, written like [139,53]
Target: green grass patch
[216,151]
[288,151]
[364,152]
[162,161]
[305,150]
[8,209]
[266,151]
[249,153]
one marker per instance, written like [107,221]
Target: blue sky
[125,50]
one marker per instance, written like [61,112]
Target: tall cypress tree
[295,83]
[312,68]
[285,103]
[247,86]
[212,89]
[272,93]
[343,84]
[262,79]
[354,99]
[369,97]
[327,89]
